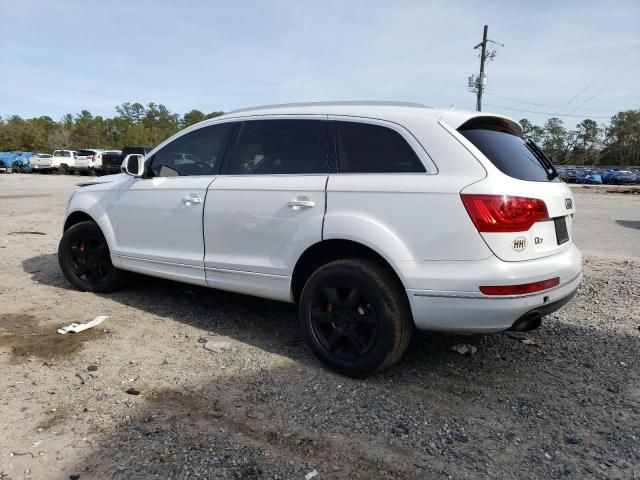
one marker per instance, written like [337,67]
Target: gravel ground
[560,402]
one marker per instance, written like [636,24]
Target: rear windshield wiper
[542,158]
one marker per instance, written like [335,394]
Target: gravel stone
[268,410]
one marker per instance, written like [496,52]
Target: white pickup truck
[64,160]
[70,161]
[41,162]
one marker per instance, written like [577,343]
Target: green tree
[532,131]
[586,150]
[192,117]
[622,139]
[554,141]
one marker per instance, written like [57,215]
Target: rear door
[523,176]
[268,205]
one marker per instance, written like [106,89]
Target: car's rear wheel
[83,255]
[64,169]
[355,317]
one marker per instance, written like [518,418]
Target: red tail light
[521,289]
[504,213]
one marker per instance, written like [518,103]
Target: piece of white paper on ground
[80,327]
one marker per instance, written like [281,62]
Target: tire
[63,169]
[83,255]
[355,317]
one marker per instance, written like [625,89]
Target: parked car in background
[84,160]
[592,179]
[41,162]
[97,160]
[111,162]
[64,161]
[580,175]
[374,218]
[622,177]
[569,175]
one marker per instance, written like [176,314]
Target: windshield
[511,154]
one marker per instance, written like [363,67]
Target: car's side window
[280,147]
[195,153]
[368,148]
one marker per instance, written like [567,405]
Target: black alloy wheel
[344,321]
[355,317]
[83,255]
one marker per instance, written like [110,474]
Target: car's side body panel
[410,216]
[159,229]
[253,236]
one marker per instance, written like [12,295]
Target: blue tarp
[17,160]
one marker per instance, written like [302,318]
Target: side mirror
[133,165]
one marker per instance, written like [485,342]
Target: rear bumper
[466,309]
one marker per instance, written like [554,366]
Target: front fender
[100,206]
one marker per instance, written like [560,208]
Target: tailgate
[521,209]
[545,237]
[40,162]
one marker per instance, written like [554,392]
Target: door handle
[298,204]
[191,200]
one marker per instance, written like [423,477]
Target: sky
[63,56]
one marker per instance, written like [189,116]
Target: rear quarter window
[507,151]
[367,148]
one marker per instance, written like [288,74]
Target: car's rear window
[510,153]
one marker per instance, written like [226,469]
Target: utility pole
[478,84]
[483,57]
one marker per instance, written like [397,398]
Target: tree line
[614,143]
[134,124]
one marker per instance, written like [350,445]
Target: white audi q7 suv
[374,218]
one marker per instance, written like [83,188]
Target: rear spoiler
[457,119]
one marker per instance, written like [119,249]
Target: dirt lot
[563,404]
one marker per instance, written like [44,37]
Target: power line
[547,113]
[489,92]
[607,86]
[606,70]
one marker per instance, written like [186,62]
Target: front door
[159,218]
[267,206]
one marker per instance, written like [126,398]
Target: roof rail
[330,104]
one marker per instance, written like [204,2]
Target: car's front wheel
[83,255]
[355,317]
